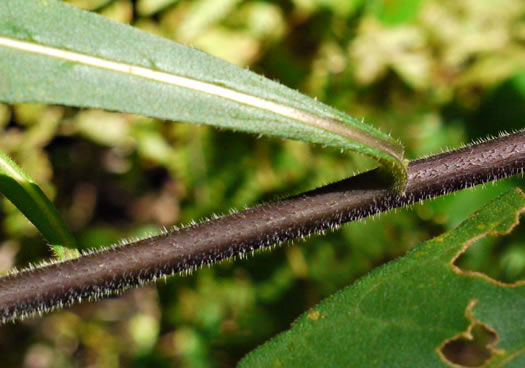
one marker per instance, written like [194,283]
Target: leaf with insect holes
[55,53]
[409,313]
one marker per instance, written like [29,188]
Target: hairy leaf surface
[52,52]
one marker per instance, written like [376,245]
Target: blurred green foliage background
[434,73]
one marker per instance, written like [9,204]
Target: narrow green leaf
[27,196]
[403,314]
[52,52]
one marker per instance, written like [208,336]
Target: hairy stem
[110,271]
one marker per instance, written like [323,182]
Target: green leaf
[395,12]
[52,52]
[402,314]
[27,196]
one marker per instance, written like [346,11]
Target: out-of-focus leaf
[404,313]
[202,14]
[343,8]
[149,7]
[52,52]
[395,12]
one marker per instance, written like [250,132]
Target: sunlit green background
[435,73]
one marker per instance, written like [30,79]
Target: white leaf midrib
[320,122]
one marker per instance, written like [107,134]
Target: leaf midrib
[321,122]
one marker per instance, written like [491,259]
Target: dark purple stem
[110,271]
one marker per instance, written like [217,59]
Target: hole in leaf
[470,352]
[502,258]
